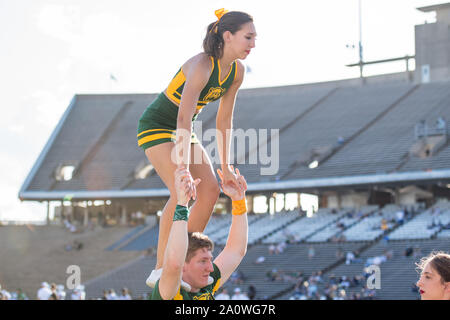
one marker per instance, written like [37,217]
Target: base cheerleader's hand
[234,191]
[184,186]
[229,177]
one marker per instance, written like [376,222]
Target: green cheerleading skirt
[158,123]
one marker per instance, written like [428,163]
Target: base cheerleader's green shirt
[205,293]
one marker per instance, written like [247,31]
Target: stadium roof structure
[435,7]
[338,134]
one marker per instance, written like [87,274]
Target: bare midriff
[165,93]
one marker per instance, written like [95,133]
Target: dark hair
[231,21]
[198,240]
[439,261]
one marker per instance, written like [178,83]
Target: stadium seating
[147,239]
[420,227]
[397,273]
[269,224]
[220,234]
[305,227]
[350,218]
[126,237]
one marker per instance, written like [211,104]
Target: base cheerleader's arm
[177,244]
[236,247]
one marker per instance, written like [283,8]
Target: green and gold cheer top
[206,293]
[213,90]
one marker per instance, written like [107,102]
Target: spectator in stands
[125,294]
[21,295]
[53,290]
[44,291]
[5,294]
[280,247]
[271,249]
[77,245]
[78,293]
[384,224]
[355,296]
[434,282]
[188,257]
[271,275]
[53,296]
[311,252]
[289,235]
[389,254]
[377,260]
[400,215]
[344,282]
[260,260]
[112,295]
[60,292]
[223,295]
[312,288]
[238,295]
[408,252]
[356,281]
[342,295]
[349,257]
[440,123]
[251,292]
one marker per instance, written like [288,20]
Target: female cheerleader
[213,74]
[434,282]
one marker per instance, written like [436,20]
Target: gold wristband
[239,207]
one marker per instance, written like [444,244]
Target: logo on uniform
[214,93]
[204,296]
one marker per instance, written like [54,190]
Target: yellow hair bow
[219,13]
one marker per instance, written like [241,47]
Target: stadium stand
[306,226]
[33,254]
[133,274]
[270,224]
[398,273]
[373,115]
[220,235]
[425,225]
[374,150]
[147,239]
[126,237]
[350,218]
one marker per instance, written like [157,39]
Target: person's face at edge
[431,286]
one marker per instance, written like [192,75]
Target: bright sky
[54,49]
